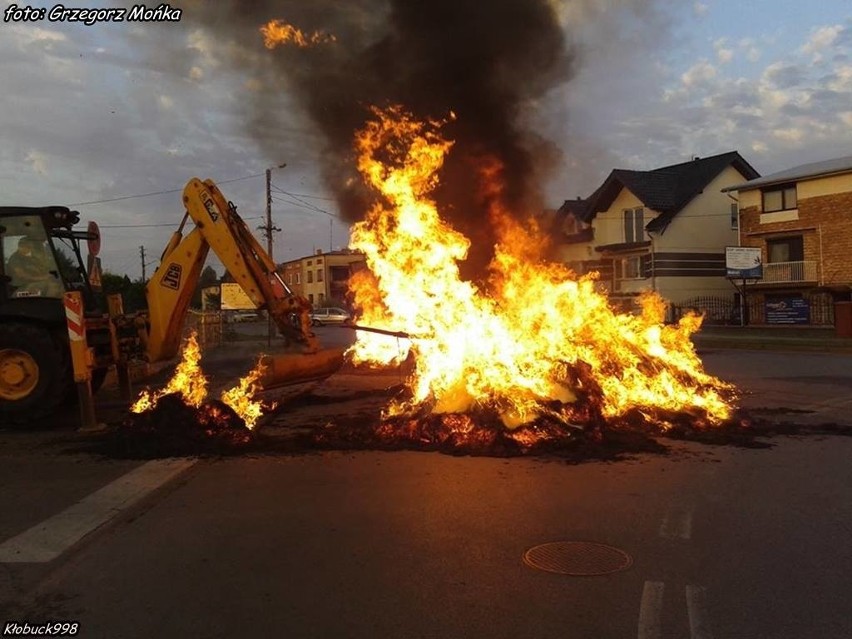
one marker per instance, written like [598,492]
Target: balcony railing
[782,272]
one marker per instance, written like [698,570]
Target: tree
[132,293]
[208,278]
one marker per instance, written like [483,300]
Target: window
[779,199]
[735,216]
[298,278]
[319,275]
[634,225]
[631,268]
[310,277]
[310,262]
[786,249]
[290,278]
[321,298]
[339,273]
[310,296]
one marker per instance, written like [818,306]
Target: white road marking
[650,610]
[696,606]
[49,539]
[677,524]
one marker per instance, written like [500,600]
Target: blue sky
[111,110]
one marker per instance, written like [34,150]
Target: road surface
[724,542]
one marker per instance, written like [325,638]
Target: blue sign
[788,310]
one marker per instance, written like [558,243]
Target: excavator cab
[39,261]
[31,264]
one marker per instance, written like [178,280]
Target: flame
[276,32]
[188,380]
[523,344]
[241,398]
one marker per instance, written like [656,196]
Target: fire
[537,340]
[276,32]
[242,398]
[190,383]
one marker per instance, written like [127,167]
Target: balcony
[789,272]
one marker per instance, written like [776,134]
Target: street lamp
[269,229]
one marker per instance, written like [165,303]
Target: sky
[93,116]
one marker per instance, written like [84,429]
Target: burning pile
[180,419]
[535,350]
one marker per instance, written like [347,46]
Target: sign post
[743,263]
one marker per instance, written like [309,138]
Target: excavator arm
[219,228]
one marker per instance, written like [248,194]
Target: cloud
[700,8]
[699,73]
[38,162]
[723,53]
[821,39]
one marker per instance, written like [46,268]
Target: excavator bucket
[288,369]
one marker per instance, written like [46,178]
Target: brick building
[801,219]
[323,278]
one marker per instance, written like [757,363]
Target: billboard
[234,298]
[743,262]
[787,310]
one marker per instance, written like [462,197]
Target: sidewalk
[773,338]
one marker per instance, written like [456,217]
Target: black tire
[53,361]
[315,322]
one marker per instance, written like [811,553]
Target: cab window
[29,266]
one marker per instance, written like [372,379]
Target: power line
[314,197]
[131,197]
[298,199]
[149,226]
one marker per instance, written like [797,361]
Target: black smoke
[488,62]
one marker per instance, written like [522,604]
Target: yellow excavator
[57,335]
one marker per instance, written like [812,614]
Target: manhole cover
[577,558]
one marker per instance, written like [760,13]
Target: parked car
[320,316]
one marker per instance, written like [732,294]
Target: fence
[718,310]
[208,326]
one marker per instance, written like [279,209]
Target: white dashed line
[650,610]
[49,539]
[696,607]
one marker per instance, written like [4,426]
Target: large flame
[518,347]
[190,383]
[278,32]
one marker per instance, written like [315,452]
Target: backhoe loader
[58,332]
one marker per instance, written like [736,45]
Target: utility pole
[269,229]
[142,257]
[269,212]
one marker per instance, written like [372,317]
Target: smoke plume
[488,62]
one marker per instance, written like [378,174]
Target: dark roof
[576,207]
[810,171]
[666,190]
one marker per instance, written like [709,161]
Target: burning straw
[180,418]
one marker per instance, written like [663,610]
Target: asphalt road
[725,542]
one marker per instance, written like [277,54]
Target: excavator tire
[35,373]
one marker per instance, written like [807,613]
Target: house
[801,220]
[663,230]
[323,278]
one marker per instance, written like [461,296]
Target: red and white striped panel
[74,316]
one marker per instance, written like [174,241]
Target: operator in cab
[29,269]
